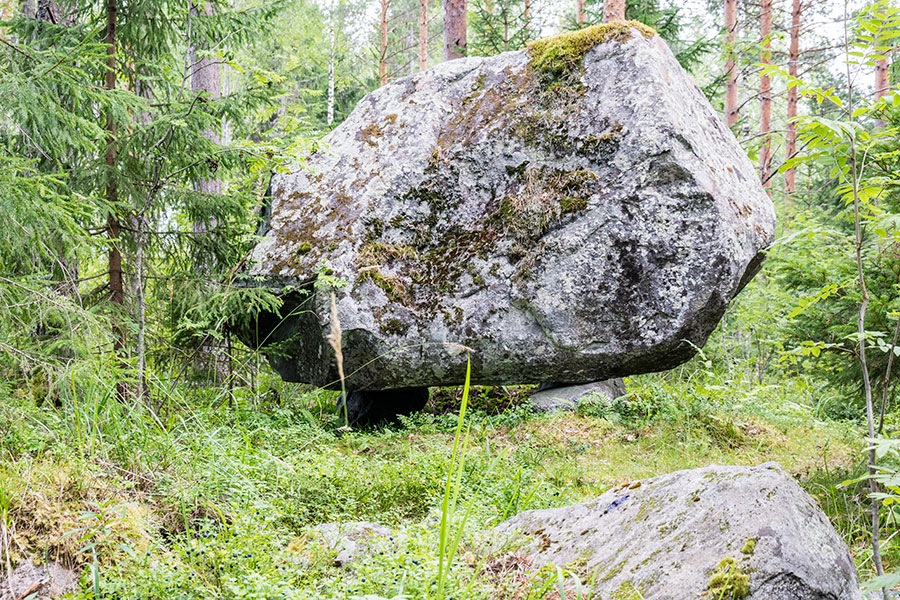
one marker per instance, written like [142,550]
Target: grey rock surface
[567,225]
[349,540]
[664,538]
[570,397]
[50,580]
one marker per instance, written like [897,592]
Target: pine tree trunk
[382,58]
[526,18]
[613,10]
[113,228]
[731,110]
[882,79]
[423,35]
[790,183]
[454,29]
[580,16]
[765,92]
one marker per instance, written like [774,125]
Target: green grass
[210,500]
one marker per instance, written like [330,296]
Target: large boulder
[571,213]
[717,532]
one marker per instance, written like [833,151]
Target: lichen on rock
[663,539]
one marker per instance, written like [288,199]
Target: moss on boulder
[559,54]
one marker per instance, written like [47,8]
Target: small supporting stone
[552,397]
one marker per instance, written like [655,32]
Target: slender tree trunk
[855,169]
[454,29]
[139,224]
[113,228]
[765,92]
[526,18]
[331,70]
[882,77]
[731,101]
[505,29]
[382,58]
[790,183]
[613,10]
[412,52]
[580,16]
[206,78]
[423,35]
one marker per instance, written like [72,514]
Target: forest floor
[204,498]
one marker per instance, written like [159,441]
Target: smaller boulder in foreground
[716,532]
[348,541]
[31,581]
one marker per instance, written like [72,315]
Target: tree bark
[731,98]
[613,10]
[526,18]
[765,92]
[423,35]
[882,80]
[790,183]
[454,29]
[580,16]
[382,57]
[49,10]
[206,78]
[330,116]
[113,227]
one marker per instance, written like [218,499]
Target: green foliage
[497,27]
[668,21]
[821,330]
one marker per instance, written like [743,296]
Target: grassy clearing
[201,501]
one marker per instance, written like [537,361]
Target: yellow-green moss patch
[392,286]
[750,547]
[561,53]
[729,581]
[627,591]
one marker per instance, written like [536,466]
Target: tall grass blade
[454,474]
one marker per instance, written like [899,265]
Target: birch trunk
[731,110]
[331,72]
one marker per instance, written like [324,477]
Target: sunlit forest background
[143,446]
